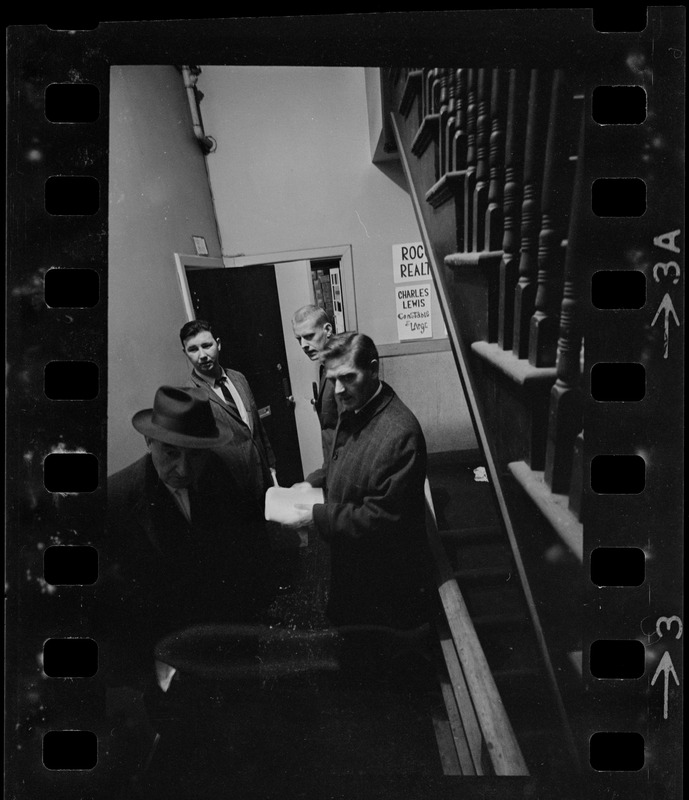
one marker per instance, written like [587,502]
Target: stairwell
[474,544]
[491,159]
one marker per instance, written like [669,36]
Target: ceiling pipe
[190,75]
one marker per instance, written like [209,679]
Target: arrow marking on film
[666,667]
[669,309]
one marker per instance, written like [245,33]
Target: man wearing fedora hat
[185,543]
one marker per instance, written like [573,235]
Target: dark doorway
[243,307]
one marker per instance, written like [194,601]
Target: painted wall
[159,198]
[293,171]
[428,384]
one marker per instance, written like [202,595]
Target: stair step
[500,620]
[483,599]
[554,507]
[517,676]
[485,575]
[481,534]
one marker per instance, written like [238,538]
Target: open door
[243,307]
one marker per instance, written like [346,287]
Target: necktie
[184,502]
[222,383]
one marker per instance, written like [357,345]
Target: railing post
[525,290]
[471,160]
[514,166]
[459,153]
[440,107]
[447,122]
[544,322]
[496,163]
[565,419]
[482,141]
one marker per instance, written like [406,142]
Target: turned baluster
[425,90]
[482,142]
[459,142]
[514,166]
[496,162]
[459,152]
[431,84]
[545,320]
[447,122]
[565,418]
[470,158]
[525,290]
[441,109]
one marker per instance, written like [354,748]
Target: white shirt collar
[211,381]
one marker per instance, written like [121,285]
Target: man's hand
[301,485]
[302,516]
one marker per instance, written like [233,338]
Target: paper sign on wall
[414,311]
[409,262]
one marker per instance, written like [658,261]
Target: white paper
[282,502]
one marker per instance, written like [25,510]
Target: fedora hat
[181,417]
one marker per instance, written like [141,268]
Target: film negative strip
[609,102]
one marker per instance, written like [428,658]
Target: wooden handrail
[466,377]
[502,746]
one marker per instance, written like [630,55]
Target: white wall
[293,171]
[159,199]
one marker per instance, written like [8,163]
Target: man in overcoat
[373,513]
[250,456]
[313,330]
[185,543]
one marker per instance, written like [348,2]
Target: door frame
[182,262]
[343,252]
[186,262]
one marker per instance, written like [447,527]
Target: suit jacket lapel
[213,397]
[243,395]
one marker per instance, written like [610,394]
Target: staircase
[472,549]
[493,159]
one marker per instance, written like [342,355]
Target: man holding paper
[373,511]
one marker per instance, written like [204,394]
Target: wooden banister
[504,751]
[461,356]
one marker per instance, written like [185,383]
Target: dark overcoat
[327,410]
[161,573]
[374,516]
[248,455]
